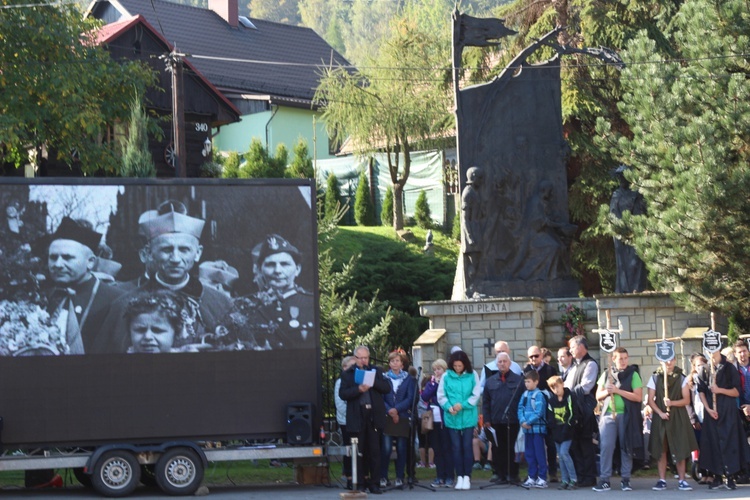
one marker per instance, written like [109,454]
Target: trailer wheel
[82,477]
[116,474]
[179,471]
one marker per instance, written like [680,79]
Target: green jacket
[463,389]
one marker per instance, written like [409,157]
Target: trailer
[142,321]
[177,468]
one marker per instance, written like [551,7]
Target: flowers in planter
[572,320]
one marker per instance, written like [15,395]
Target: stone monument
[510,129]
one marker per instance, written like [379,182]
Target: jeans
[441,446]
[400,455]
[567,470]
[463,455]
[610,429]
[536,455]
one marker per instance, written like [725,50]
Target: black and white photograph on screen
[149,268]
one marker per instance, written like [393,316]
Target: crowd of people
[548,414]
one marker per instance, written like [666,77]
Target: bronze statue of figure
[471,226]
[631,271]
[546,253]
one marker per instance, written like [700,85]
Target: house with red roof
[268,71]
[206,109]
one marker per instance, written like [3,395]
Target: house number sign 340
[201,127]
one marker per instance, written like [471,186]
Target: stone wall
[475,325]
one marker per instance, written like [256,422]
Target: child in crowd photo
[154,321]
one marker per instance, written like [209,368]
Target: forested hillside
[352,27]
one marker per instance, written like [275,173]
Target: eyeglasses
[533,356]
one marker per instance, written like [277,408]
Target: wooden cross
[611,377]
[664,363]
[490,346]
[713,368]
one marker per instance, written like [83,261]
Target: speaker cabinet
[299,425]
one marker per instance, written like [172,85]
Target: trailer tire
[116,474]
[179,471]
[82,477]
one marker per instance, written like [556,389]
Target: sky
[91,203]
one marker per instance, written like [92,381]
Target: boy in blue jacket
[532,415]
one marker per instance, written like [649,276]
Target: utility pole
[174,66]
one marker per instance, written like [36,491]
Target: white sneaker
[529,483]
[540,483]
[459,483]
[467,483]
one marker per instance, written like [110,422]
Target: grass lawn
[353,240]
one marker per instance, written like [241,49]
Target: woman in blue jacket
[458,394]
[398,407]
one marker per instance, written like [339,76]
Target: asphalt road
[641,486]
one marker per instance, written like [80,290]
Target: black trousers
[346,438]
[504,454]
[583,453]
[368,463]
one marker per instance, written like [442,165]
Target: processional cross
[608,343]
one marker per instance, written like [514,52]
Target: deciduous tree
[60,90]
[393,106]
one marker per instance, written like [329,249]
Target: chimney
[227,10]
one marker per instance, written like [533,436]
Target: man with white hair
[491,367]
[502,392]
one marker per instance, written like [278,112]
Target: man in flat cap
[277,264]
[78,300]
[170,254]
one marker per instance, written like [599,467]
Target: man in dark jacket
[545,371]
[365,416]
[502,392]
[172,251]
[78,300]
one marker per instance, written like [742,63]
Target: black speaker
[299,425]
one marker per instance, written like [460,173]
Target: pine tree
[332,197]
[386,213]
[261,165]
[456,227]
[230,166]
[364,211]
[689,156]
[422,214]
[589,90]
[136,157]
[301,166]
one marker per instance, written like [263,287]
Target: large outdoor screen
[146,310]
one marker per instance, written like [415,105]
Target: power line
[31,5]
